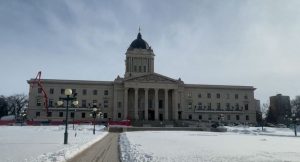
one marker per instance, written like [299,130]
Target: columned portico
[150,103]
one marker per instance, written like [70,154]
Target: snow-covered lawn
[239,144]
[45,143]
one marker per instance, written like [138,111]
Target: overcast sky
[232,42]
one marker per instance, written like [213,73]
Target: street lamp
[221,117]
[94,114]
[295,120]
[74,116]
[23,116]
[68,93]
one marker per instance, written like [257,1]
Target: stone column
[175,105]
[136,96]
[125,103]
[156,104]
[146,103]
[166,105]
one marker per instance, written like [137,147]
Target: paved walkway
[105,150]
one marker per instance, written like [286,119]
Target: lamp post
[74,117]
[295,120]
[23,117]
[68,93]
[93,115]
[221,117]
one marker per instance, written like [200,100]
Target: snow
[245,144]
[45,143]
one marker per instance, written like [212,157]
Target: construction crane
[38,81]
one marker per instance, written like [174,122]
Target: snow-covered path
[44,143]
[235,146]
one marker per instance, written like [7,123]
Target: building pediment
[152,78]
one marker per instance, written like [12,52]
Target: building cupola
[139,43]
[139,58]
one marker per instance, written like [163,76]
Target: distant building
[143,95]
[280,106]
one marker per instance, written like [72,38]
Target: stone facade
[143,95]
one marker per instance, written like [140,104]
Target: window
[218,95]
[199,105]
[83,115]
[119,115]
[237,106]
[246,106]
[247,117]
[228,117]
[209,116]
[236,96]
[49,114]
[105,103]
[72,114]
[62,91]
[61,114]
[94,103]
[140,69]
[39,90]
[150,104]
[218,106]
[106,92]
[73,91]
[189,94]
[190,105]
[245,97]
[51,90]
[50,102]
[83,103]
[144,69]
[95,92]
[190,117]
[105,115]
[209,106]
[227,106]
[199,95]
[84,92]
[135,69]
[119,104]
[38,102]
[160,104]
[208,95]
[200,117]
[37,114]
[237,117]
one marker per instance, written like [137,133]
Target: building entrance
[151,115]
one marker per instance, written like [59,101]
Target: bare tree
[3,106]
[264,112]
[17,103]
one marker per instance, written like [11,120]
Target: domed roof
[139,43]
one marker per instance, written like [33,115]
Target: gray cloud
[236,42]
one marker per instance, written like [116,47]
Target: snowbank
[45,143]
